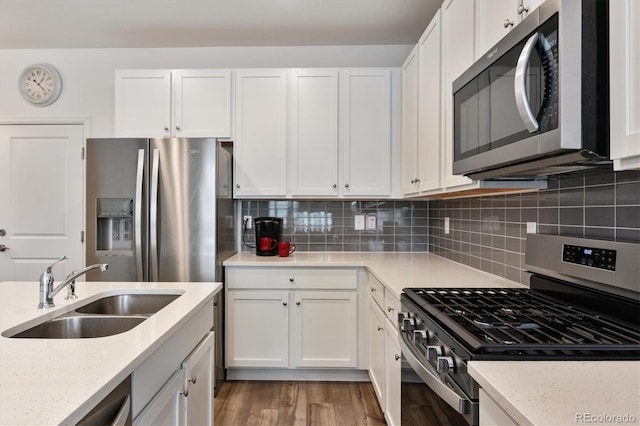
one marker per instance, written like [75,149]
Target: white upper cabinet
[260,145]
[410,113]
[495,18]
[365,132]
[458,18]
[430,106]
[179,103]
[624,16]
[313,132]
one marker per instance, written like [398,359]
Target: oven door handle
[520,85]
[459,403]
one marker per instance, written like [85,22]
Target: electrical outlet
[532,228]
[358,222]
[247,220]
[371,222]
[446,225]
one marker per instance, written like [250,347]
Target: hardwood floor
[297,403]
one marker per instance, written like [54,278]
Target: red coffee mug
[285,248]
[267,243]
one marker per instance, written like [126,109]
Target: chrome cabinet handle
[373,289]
[238,185]
[291,279]
[335,186]
[508,23]
[397,357]
[193,380]
[284,303]
[3,248]
[166,128]
[522,9]
[3,232]
[380,328]
[178,128]
[346,185]
[298,303]
[389,309]
[185,392]
[520,85]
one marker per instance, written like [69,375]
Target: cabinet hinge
[82,154]
[82,236]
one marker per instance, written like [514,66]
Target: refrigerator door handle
[137,215]
[153,215]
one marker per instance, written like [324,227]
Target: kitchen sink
[80,327]
[128,304]
[103,317]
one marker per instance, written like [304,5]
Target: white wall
[88,74]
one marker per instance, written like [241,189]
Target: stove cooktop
[523,322]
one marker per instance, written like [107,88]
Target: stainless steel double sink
[107,316]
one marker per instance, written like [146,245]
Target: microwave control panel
[589,256]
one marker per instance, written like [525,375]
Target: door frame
[85,122]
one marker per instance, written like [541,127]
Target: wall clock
[40,84]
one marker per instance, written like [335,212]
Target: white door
[325,329]
[41,200]
[198,380]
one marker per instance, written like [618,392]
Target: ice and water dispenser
[114,220]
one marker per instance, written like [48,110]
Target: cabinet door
[261,133]
[625,83]
[198,381]
[376,350]
[313,132]
[410,112]
[202,103]
[429,88]
[494,19]
[142,103]
[325,330]
[166,407]
[393,359]
[365,132]
[257,329]
[457,55]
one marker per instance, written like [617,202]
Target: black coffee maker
[269,228]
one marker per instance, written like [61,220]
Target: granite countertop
[58,381]
[395,270]
[531,392]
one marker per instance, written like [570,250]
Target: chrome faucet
[47,292]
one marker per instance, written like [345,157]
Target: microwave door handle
[153,216]
[520,85]
[137,215]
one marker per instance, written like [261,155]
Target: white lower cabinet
[393,361]
[174,385]
[187,397]
[376,350]
[384,350]
[291,318]
[491,414]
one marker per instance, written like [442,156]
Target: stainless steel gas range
[583,303]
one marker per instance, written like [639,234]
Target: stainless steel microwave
[537,103]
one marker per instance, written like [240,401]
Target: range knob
[434,352]
[419,336]
[445,364]
[406,323]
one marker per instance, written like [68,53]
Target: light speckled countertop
[532,392]
[395,270]
[58,381]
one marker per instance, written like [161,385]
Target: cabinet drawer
[391,306]
[376,290]
[292,278]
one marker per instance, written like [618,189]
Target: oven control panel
[589,256]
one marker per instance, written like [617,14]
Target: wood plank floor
[297,403]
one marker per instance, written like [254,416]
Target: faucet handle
[63,258]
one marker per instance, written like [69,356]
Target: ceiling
[43,24]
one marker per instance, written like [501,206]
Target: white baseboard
[330,375]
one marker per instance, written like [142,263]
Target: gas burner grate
[490,319]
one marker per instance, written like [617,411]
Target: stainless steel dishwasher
[114,409]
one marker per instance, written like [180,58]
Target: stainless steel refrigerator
[161,210]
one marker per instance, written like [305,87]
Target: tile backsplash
[401,226]
[489,232]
